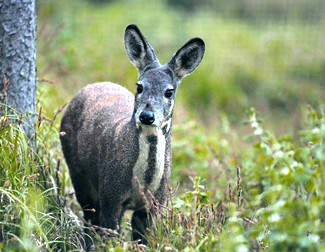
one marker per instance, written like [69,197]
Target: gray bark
[18,57]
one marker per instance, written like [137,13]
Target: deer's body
[142,158]
[117,145]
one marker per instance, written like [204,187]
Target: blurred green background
[264,54]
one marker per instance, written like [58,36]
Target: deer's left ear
[187,58]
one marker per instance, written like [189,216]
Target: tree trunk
[18,58]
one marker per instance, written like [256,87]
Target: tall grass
[33,213]
[268,196]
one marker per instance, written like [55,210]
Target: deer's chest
[149,167]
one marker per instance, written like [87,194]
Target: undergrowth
[270,197]
[33,215]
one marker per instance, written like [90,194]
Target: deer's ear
[187,58]
[138,49]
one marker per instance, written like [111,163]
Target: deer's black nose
[147,117]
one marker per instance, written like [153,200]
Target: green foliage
[269,197]
[275,203]
[286,187]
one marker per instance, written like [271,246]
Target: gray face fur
[157,84]
[118,146]
[155,94]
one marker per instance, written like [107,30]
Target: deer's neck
[150,165]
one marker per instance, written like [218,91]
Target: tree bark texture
[18,57]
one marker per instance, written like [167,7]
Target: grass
[268,196]
[253,187]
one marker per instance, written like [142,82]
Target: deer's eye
[169,93]
[139,88]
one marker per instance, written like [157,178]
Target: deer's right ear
[138,49]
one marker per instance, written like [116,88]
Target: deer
[118,145]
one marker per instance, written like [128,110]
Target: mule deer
[117,145]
